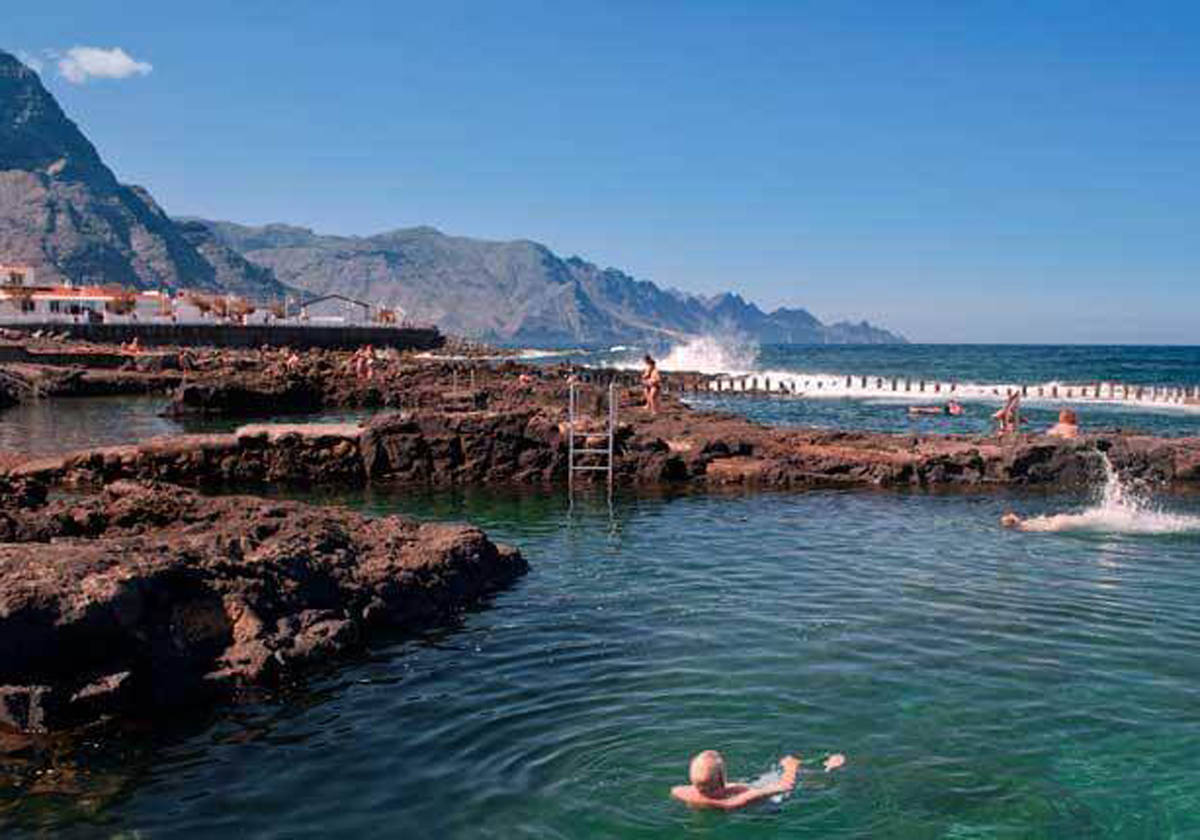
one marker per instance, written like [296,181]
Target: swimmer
[1045,524]
[952,408]
[708,788]
[1067,426]
[1011,520]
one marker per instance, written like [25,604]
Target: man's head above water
[707,773]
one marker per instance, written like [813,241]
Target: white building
[336,309]
[12,274]
[66,304]
[23,302]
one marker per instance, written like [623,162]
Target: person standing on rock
[651,383]
[1009,417]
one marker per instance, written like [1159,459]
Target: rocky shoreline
[507,435]
[144,597]
[132,593]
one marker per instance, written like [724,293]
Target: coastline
[457,423]
[443,424]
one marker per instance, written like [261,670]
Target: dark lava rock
[147,597]
[248,396]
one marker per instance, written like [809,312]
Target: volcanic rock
[145,597]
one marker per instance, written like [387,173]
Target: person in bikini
[1009,417]
[708,788]
[651,383]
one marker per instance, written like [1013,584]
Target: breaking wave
[714,354]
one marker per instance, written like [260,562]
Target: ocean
[981,682]
[981,376]
[981,373]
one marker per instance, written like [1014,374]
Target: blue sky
[967,171]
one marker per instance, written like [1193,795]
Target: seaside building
[16,275]
[337,309]
[22,301]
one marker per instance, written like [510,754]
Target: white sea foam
[538,353]
[916,390]
[734,359]
[526,354]
[714,354]
[771,777]
[1120,509]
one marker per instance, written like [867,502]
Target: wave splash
[1119,509]
[727,353]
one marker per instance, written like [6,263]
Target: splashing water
[1119,509]
[718,353]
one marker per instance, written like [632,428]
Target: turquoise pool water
[982,683]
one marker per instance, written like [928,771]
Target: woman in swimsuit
[651,383]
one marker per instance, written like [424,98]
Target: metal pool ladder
[573,451]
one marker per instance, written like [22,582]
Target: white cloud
[83,63]
[30,60]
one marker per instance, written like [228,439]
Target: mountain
[64,212]
[513,292]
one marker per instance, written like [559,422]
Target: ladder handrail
[572,450]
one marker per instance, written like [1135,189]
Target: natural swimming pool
[982,683]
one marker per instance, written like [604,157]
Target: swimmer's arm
[791,768]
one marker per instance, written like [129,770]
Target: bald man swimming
[708,788]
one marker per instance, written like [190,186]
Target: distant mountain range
[512,292]
[64,212]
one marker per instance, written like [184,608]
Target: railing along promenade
[194,334]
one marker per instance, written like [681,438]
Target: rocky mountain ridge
[517,292]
